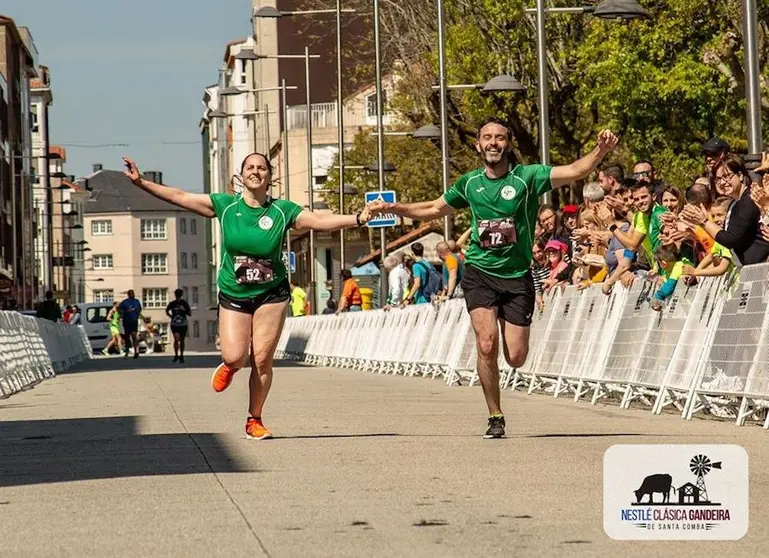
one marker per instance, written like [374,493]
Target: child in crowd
[539,271]
[719,260]
[670,269]
[560,271]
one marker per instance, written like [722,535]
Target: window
[34,119]
[184,260]
[186,295]
[193,226]
[319,181]
[211,331]
[196,329]
[154,298]
[102,261]
[154,229]
[194,260]
[101,227]
[104,295]
[194,296]
[371,104]
[183,225]
[243,74]
[97,314]
[154,264]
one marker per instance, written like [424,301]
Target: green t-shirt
[252,244]
[655,226]
[650,226]
[676,271]
[515,197]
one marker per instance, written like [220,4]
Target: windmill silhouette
[700,465]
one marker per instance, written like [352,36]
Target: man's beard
[494,158]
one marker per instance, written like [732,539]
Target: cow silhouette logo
[688,494]
[676,492]
[653,484]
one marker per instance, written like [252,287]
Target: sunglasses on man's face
[647,174]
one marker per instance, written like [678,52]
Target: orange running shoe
[256,430]
[222,377]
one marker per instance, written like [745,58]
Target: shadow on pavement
[44,451]
[153,362]
[323,436]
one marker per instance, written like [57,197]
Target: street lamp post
[310,181]
[271,12]
[444,114]
[380,150]
[752,91]
[286,179]
[606,9]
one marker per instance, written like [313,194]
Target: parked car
[94,320]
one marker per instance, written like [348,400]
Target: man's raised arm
[581,168]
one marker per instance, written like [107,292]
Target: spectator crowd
[639,226]
[625,228]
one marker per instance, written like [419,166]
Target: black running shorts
[181,330]
[280,293]
[514,299]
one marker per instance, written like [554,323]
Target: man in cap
[714,150]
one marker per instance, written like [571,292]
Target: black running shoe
[496,428]
[181,359]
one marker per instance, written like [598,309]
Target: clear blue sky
[131,72]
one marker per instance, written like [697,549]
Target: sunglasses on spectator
[642,173]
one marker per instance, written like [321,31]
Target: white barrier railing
[707,350]
[32,350]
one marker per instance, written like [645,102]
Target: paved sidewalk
[141,458]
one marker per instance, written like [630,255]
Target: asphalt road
[141,458]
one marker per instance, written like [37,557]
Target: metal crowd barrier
[706,351]
[32,350]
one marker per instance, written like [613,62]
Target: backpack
[434,282]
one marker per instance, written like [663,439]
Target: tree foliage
[665,84]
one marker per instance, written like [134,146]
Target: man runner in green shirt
[499,290]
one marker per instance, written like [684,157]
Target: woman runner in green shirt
[253,287]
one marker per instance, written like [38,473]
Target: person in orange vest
[351,299]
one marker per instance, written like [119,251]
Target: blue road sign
[293,261]
[386,219]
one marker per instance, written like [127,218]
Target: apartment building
[138,242]
[42,196]
[18,64]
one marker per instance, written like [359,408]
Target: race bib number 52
[496,233]
[251,271]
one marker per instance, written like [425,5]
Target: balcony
[324,116]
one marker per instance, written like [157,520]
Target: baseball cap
[715,145]
[568,209]
[557,246]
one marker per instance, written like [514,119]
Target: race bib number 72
[496,233]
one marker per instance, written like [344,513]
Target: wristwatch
[613,227]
